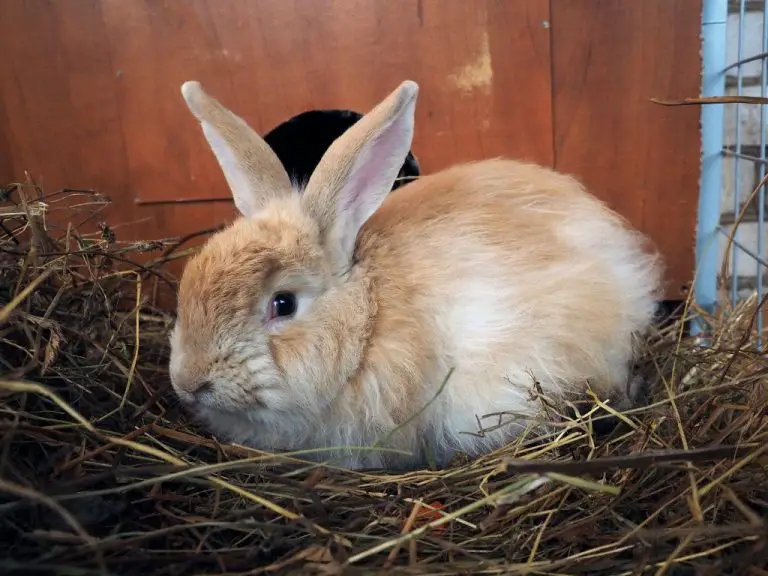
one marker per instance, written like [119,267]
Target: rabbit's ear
[252,169]
[358,170]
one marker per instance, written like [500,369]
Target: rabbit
[301,141]
[367,330]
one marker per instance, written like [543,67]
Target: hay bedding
[102,473]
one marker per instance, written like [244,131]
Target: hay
[101,472]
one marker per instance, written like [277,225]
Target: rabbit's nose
[191,389]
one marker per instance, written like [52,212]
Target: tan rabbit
[330,317]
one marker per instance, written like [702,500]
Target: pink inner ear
[370,178]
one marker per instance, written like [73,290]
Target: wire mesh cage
[731,239]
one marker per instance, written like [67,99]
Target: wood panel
[90,94]
[89,89]
[58,77]
[610,57]
[60,119]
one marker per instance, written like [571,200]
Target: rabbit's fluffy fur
[504,272]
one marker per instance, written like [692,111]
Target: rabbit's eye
[283,304]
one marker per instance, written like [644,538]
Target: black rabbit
[301,141]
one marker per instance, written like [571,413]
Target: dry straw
[101,472]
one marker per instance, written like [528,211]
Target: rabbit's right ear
[357,172]
[253,171]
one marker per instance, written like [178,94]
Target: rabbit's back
[512,272]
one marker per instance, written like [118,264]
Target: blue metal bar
[761,193]
[713,28]
[737,159]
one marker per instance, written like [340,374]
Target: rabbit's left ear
[358,170]
[252,169]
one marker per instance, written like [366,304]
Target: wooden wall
[89,94]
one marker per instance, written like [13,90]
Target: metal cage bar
[714,21]
[739,140]
[737,165]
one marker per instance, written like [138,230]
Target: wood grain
[60,119]
[89,94]
[90,88]
[271,59]
[610,57]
